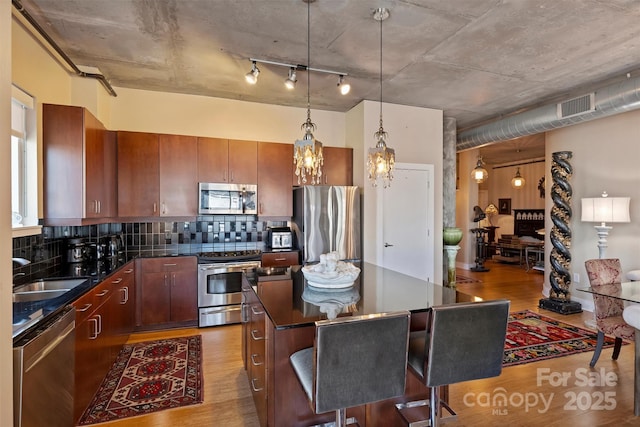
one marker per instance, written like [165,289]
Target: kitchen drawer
[89,302]
[167,264]
[279,259]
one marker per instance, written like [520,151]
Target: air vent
[577,106]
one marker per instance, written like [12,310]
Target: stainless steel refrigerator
[325,219]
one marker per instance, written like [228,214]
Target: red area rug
[148,377]
[532,337]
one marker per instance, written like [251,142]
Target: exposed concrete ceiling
[478,60]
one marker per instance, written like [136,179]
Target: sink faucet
[21,261]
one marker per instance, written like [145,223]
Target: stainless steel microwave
[215,199]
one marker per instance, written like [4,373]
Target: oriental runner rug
[147,377]
[532,337]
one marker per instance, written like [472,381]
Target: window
[24,169]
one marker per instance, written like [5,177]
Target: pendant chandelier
[307,152]
[479,173]
[518,181]
[381,159]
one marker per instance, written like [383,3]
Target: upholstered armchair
[608,311]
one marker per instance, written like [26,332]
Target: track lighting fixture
[252,76]
[345,87]
[290,83]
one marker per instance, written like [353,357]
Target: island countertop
[290,301]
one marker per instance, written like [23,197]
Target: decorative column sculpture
[560,278]
[451,237]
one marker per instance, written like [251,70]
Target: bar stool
[462,342]
[354,361]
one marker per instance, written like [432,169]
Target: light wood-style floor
[535,396]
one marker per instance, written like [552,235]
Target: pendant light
[307,152]
[381,159]
[479,173]
[518,181]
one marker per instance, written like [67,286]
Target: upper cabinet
[275,167]
[79,159]
[156,176]
[138,174]
[178,176]
[223,160]
[337,168]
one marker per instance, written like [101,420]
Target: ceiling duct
[609,100]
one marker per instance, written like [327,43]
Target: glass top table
[628,291]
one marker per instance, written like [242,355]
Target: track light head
[345,87]
[290,82]
[252,76]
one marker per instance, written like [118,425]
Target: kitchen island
[279,312]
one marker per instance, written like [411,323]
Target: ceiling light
[381,159]
[252,76]
[307,152]
[518,181]
[479,173]
[290,83]
[345,87]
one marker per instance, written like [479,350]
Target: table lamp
[605,209]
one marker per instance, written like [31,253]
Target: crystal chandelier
[381,159]
[307,152]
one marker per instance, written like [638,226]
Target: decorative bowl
[342,277]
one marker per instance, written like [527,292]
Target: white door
[407,220]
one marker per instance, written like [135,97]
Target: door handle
[386,245]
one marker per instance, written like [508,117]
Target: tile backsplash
[216,233]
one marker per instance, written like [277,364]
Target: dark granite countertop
[376,290]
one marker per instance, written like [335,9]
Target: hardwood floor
[533,397]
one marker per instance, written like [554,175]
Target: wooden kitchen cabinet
[275,168]
[227,160]
[93,354]
[156,176]
[166,293]
[79,167]
[337,168]
[280,259]
[122,284]
[178,176]
[138,174]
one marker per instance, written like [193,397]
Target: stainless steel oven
[220,290]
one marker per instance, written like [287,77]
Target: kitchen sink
[30,296]
[49,285]
[45,289]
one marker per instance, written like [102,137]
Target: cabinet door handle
[230,176]
[103,293]
[99,206]
[125,290]
[94,333]
[155,207]
[256,312]
[84,308]
[129,271]
[164,208]
[118,280]
[256,337]
[170,265]
[99,324]
[280,259]
[253,386]
[260,210]
[253,360]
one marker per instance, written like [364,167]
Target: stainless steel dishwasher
[43,374]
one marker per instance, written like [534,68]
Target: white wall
[416,136]
[605,158]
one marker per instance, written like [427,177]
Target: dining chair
[354,361]
[462,342]
[607,272]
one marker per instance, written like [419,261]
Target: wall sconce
[518,181]
[479,173]
[605,209]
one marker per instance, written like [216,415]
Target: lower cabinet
[167,292]
[93,356]
[280,259]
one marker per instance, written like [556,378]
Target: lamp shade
[606,209]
